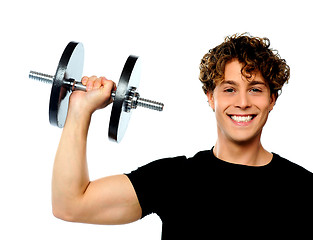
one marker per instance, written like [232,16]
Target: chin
[244,139]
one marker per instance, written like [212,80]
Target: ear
[210,97]
[273,99]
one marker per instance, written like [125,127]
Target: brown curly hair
[253,52]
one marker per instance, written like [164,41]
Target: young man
[236,189]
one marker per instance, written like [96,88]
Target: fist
[97,95]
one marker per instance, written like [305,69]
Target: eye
[256,90]
[229,90]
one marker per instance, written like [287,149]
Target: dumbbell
[68,79]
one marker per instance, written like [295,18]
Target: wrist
[78,119]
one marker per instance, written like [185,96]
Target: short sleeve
[153,183]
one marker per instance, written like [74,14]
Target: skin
[113,200]
[109,200]
[240,142]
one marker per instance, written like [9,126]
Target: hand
[97,95]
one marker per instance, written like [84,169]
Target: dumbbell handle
[73,85]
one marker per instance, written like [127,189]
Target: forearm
[70,173]
[74,198]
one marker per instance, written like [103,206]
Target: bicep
[109,200]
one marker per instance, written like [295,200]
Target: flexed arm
[109,200]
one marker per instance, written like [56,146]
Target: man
[236,189]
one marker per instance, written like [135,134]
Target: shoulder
[165,163]
[170,165]
[290,167]
[158,168]
[295,181]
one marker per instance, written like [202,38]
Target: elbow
[68,209]
[64,214]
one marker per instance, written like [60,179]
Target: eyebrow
[251,83]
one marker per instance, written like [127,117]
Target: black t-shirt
[204,197]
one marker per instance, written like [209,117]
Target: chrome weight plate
[70,66]
[129,80]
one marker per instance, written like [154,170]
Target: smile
[242,118]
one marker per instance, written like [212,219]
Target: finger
[97,83]
[84,80]
[104,81]
[93,78]
[114,86]
[90,83]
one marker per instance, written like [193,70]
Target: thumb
[100,97]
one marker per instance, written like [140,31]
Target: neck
[250,154]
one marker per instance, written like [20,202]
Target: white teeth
[241,118]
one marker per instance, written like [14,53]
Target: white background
[171,37]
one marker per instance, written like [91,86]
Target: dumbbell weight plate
[70,66]
[130,78]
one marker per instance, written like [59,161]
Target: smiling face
[241,106]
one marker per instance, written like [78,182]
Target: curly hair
[253,52]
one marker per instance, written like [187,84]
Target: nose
[243,101]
